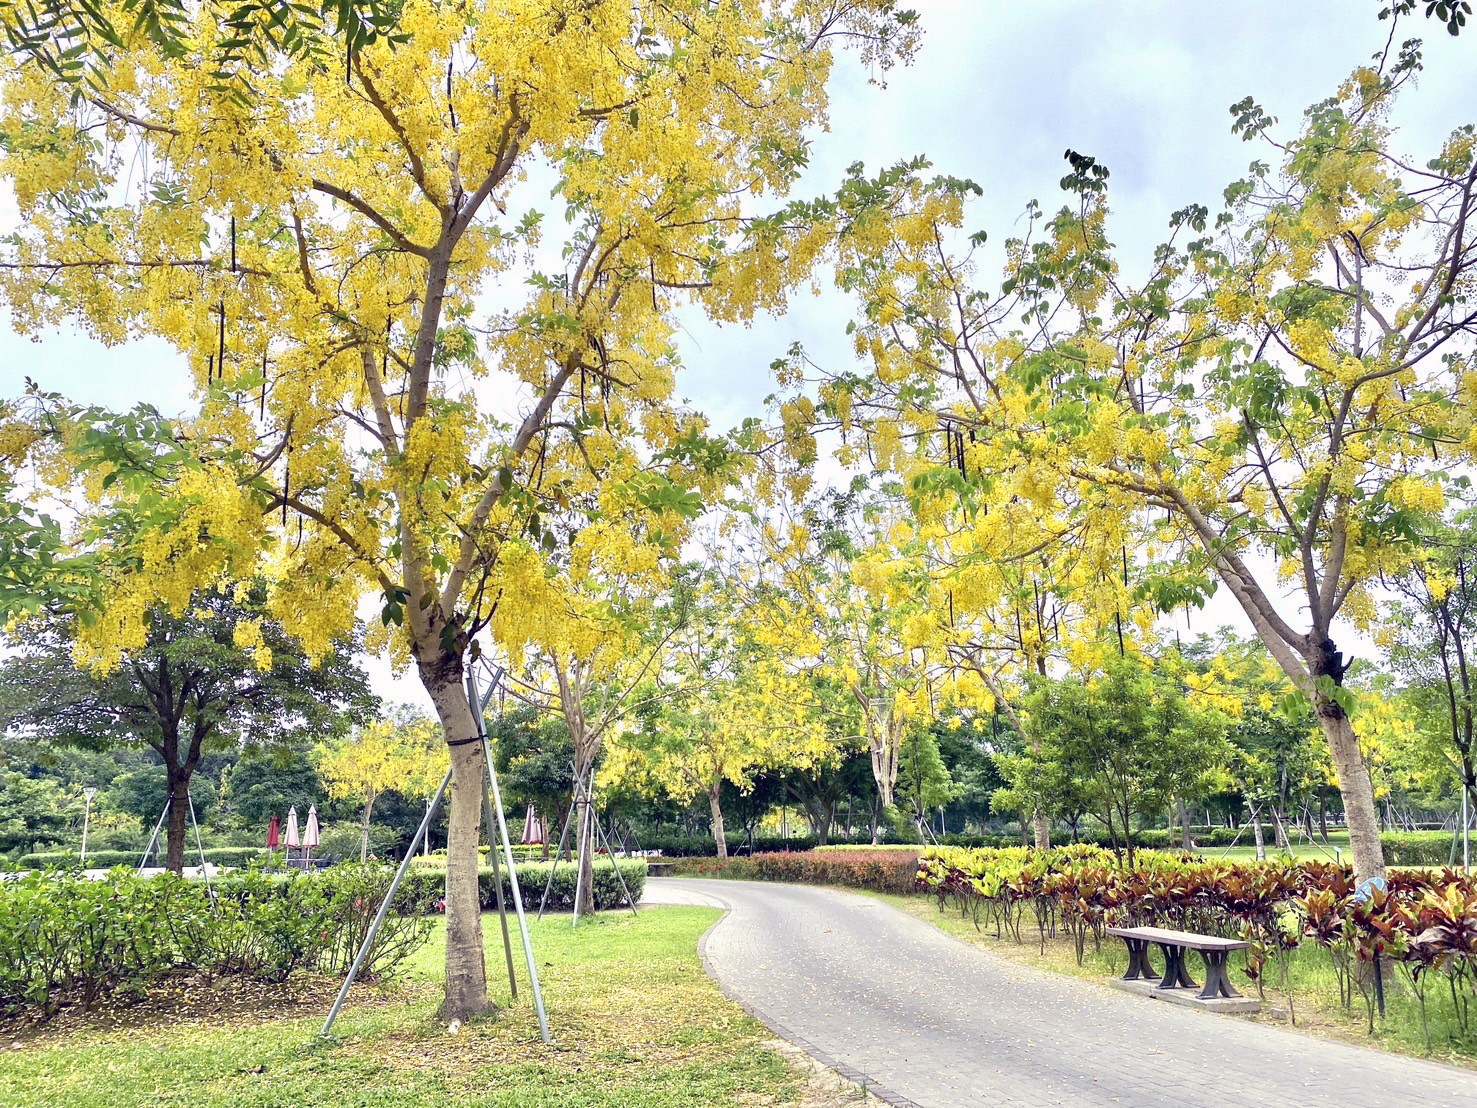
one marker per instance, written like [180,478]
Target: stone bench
[1213,949]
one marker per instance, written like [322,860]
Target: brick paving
[923,1019]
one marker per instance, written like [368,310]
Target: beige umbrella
[310,832]
[533,829]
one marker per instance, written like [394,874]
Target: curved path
[921,1018]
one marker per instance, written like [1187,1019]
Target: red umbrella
[274,834]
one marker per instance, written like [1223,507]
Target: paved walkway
[923,1019]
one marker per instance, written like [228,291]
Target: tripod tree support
[492,806]
[497,885]
[584,795]
[379,916]
[480,703]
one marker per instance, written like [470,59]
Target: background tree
[401,753]
[319,257]
[1130,734]
[1283,385]
[221,674]
[535,760]
[1434,644]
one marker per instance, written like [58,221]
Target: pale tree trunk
[714,791]
[364,829]
[1256,830]
[466,968]
[585,858]
[1042,828]
[1358,793]
[885,739]
[1186,842]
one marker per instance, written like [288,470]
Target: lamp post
[89,792]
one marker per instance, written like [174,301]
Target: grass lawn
[1310,1002]
[634,1018]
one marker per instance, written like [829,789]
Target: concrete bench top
[1187,939]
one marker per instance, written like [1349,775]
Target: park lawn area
[1310,1002]
[634,1018]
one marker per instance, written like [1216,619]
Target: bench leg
[1139,965]
[1176,974]
[1217,984]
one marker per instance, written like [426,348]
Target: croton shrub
[1422,921]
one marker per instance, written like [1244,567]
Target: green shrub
[426,883]
[65,939]
[1417,848]
[107,859]
[883,870]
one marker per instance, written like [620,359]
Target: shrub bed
[68,940]
[1423,921]
[884,871]
[426,883]
[107,859]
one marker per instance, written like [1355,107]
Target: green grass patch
[634,1018]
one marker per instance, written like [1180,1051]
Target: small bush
[884,871]
[1418,848]
[65,939]
[426,882]
[107,859]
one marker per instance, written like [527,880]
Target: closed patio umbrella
[293,841]
[274,834]
[310,832]
[533,828]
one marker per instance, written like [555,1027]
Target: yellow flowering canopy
[340,262]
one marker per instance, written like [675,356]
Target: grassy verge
[1308,1001]
[635,1021]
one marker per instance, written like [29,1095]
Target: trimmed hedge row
[426,882]
[883,871]
[65,939]
[107,859]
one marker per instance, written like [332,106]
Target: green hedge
[426,883]
[885,871]
[107,859]
[65,939]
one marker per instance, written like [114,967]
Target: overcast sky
[998,91]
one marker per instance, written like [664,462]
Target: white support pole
[87,793]
[432,805]
[502,827]
[154,838]
[204,873]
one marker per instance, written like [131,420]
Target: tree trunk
[466,967]
[1025,831]
[717,811]
[178,821]
[1186,842]
[1043,830]
[1256,830]
[585,818]
[1357,791]
[364,830]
